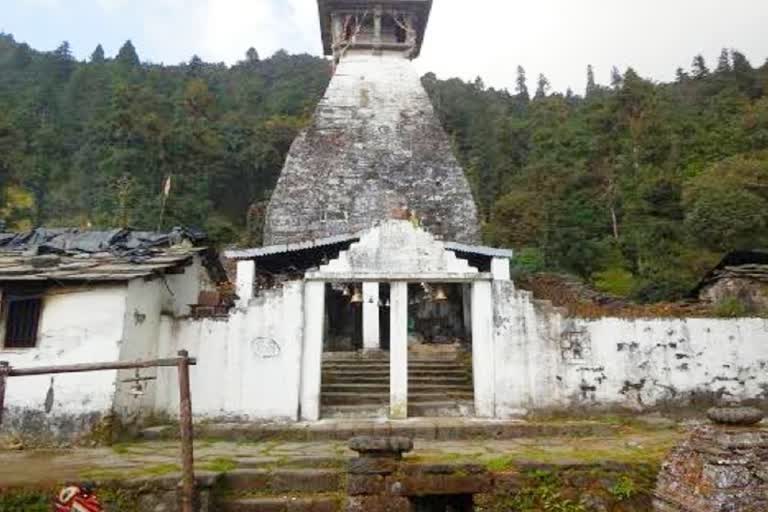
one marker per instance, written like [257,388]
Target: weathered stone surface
[361,485]
[306,480]
[372,466]
[378,504]
[368,446]
[440,484]
[718,469]
[374,145]
[744,416]
[249,480]
[317,504]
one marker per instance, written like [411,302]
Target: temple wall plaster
[375,144]
[77,326]
[545,360]
[249,365]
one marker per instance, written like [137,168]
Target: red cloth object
[77,499]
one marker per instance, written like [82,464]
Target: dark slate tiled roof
[73,255]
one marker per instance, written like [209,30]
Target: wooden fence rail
[182,363]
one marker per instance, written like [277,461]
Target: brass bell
[357,297]
[440,295]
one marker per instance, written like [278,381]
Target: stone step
[366,379]
[241,481]
[461,372]
[384,388]
[385,364]
[371,420]
[283,504]
[361,398]
[435,409]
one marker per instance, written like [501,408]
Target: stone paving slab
[159,458]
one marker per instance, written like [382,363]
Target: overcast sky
[465,38]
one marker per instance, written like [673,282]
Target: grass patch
[220,465]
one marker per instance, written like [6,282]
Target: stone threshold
[422,429]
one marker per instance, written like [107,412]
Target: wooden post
[187,436]
[5,369]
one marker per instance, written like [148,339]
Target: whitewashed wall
[77,325]
[547,361]
[249,366]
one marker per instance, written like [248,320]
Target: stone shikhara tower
[375,143]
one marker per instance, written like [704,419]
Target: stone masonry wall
[375,144]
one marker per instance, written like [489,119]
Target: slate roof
[745,264]
[73,255]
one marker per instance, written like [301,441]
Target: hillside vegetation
[637,187]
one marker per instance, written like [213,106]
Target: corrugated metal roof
[260,252]
[480,250]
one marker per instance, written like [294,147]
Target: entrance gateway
[374,215]
[394,254]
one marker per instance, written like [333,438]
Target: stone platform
[258,471]
[419,429]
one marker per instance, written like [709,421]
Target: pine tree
[127,55]
[522,85]
[740,62]
[65,62]
[97,57]
[724,62]
[681,75]
[542,87]
[700,69]
[252,56]
[591,84]
[616,79]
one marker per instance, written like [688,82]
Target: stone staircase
[281,490]
[358,387]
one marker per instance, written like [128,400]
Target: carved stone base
[718,469]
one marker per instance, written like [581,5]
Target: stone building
[375,143]
[741,276]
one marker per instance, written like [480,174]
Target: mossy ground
[618,468]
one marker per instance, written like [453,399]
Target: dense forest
[637,187]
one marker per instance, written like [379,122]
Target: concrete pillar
[398,351]
[312,351]
[371,328]
[466,309]
[377,14]
[500,269]
[246,275]
[482,349]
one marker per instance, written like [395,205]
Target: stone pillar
[367,482]
[500,269]
[398,351]
[312,351]
[371,328]
[482,349]
[246,275]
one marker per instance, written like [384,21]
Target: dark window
[22,319]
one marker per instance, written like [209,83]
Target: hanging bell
[137,390]
[357,297]
[440,295]
[345,292]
